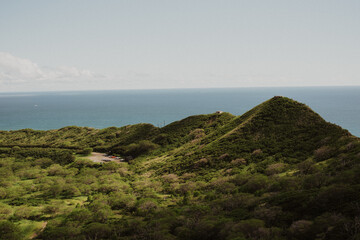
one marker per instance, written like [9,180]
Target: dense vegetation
[278,171]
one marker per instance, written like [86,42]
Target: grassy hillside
[279,171]
[279,130]
[77,137]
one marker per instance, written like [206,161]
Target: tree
[97,231]
[43,162]
[9,231]
[86,151]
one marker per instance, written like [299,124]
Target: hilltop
[279,171]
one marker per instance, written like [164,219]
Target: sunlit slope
[280,129]
[80,137]
[111,138]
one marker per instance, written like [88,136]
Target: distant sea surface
[101,109]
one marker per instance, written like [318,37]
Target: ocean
[101,109]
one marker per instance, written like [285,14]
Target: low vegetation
[278,171]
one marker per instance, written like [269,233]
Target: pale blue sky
[79,45]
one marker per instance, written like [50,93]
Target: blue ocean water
[100,109]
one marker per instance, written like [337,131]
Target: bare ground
[100,157]
[43,226]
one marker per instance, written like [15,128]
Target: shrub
[101,210]
[197,133]
[275,168]
[300,228]
[51,209]
[189,186]
[162,139]
[2,193]
[121,201]
[5,211]
[268,213]
[80,215]
[9,231]
[137,149]
[249,228]
[111,166]
[83,162]
[322,153]
[86,151]
[23,212]
[201,163]
[15,149]
[170,178]
[306,167]
[224,157]
[256,152]
[238,161]
[60,156]
[187,176]
[56,170]
[43,162]
[71,191]
[255,183]
[97,231]
[146,206]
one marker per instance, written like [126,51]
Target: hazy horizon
[179,88]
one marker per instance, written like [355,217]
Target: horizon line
[175,88]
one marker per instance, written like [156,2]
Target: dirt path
[100,157]
[43,226]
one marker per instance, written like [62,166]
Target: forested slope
[279,171]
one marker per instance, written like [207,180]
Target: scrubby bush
[111,166]
[250,228]
[9,231]
[256,183]
[51,209]
[70,190]
[162,139]
[2,193]
[80,215]
[323,153]
[5,211]
[307,166]
[56,170]
[23,212]
[187,176]
[224,157]
[275,168]
[146,206]
[300,229]
[187,187]
[197,133]
[136,149]
[101,211]
[86,151]
[97,231]
[119,201]
[201,163]
[170,178]
[43,162]
[238,161]
[82,162]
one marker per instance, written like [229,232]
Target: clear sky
[127,44]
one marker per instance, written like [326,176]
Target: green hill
[279,129]
[279,171]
